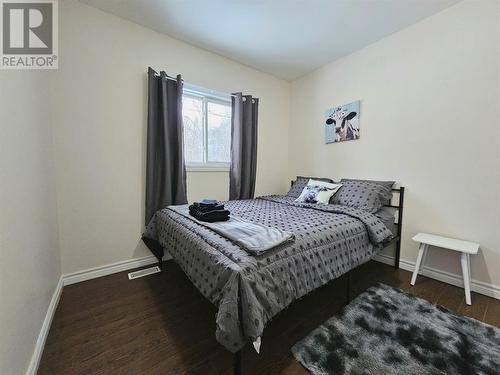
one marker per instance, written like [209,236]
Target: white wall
[29,253]
[100,128]
[429,119]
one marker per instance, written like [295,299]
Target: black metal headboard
[399,206]
[397,238]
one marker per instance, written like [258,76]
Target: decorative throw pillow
[362,194]
[387,184]
[318,192]
[300,183]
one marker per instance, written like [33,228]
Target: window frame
[206,96]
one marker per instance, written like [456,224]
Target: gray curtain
[243,146]
[165,169]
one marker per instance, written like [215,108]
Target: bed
[248,289]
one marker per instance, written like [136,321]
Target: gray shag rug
[387,331]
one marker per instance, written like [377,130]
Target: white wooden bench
[465,247]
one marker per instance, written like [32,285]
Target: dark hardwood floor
[160,324]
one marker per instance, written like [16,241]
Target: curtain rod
[167,77]
[175,79]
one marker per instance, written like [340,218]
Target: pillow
[300,183]
[318,192]
[387,184]
[362,194]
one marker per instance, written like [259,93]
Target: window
[207,129]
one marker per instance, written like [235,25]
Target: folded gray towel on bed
[252,237]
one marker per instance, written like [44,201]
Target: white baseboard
[93,273]
[44,331]
[73,278]
[481,287]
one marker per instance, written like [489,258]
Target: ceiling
[286,38]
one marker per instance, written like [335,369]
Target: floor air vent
[144,272]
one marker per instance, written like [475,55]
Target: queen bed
[249,289]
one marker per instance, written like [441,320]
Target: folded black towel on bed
[205,208]
[207,202]
[209,210]
[210,216]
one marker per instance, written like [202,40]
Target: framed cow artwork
[342,123]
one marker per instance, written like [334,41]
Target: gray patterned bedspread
[329,241]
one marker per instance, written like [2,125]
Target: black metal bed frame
[397,238]
[158,251]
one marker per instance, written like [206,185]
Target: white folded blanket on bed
[252,237]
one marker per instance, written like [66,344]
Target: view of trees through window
[207,129]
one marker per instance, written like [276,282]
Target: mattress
[250,290]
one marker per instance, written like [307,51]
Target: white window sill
[207,168]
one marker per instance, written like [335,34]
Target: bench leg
[465,261]
[421,252]
[468,266]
